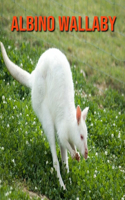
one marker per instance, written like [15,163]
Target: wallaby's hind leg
[49,131]
[64,157]
[56,163]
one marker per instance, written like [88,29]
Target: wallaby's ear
[78,114]
[84,113]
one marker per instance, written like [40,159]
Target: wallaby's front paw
[77,156]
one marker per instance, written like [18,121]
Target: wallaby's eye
[81,137]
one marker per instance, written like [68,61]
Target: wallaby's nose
[86,153]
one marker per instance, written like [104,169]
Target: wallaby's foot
[62,185]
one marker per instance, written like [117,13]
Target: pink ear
[84,112]
[78,114]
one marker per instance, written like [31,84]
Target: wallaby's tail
[19,74]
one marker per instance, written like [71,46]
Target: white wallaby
[52,93]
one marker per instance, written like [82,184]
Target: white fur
[52,94]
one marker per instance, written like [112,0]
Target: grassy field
[25,158]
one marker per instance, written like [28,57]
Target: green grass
[25,156]
[14,192]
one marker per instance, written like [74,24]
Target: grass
[17,191]
[25,158]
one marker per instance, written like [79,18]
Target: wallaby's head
[82,131]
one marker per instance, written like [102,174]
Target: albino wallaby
[52,94]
